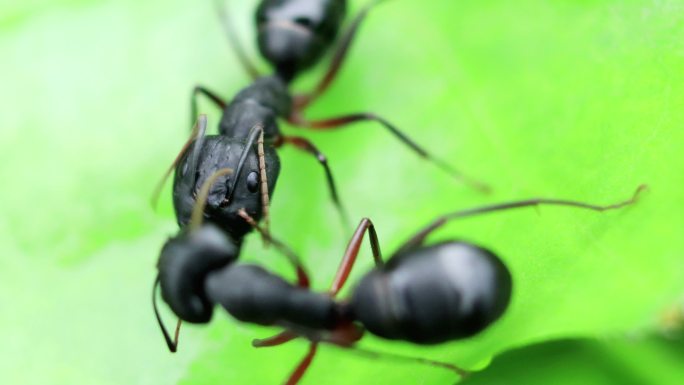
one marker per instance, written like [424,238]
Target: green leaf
[578,100]
[629,361]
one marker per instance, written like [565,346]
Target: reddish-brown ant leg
[199,90]
[303,101]
[353,250]
[342,121]
[234,41]
[303,365]
[305,145]
[398,357]
[417,239]
[275,340]
[302,277]
[346,336]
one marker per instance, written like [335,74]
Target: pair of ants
[423,293]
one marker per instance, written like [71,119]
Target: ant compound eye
[253,182]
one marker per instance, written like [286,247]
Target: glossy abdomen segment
[434,294]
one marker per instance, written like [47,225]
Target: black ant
[423,293]
[293,35]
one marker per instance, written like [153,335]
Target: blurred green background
[567,99]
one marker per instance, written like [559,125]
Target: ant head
[434,294]
[184,263]
[293,35]
[227,194]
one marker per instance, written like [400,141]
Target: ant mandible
[424,293]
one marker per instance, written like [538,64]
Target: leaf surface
[577,100]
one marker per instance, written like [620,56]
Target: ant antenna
[247,64]
[253,134]
[172,343]
[265,201]
[419,237]
[302,276]
[201,201]
[195,222]
[198,130]
[197,148]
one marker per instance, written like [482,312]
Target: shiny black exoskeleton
[185,261]
[424,293]
[232,192]
[429,295]
[433,294]
[251,114]
[293,35]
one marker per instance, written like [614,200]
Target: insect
[293,35]
[423,293]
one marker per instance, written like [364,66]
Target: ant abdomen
[293,35]
[434,294]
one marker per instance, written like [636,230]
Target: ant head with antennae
[228,193]
[185,261]
[293,35]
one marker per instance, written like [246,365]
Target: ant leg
[302,277]
[302,101]
[247,64]
[352,251]
[419,360]
[339,122]
[305,145]
[303,365]
[419,237]
[199,90]
[172,343]
[276,340]
[198,131]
